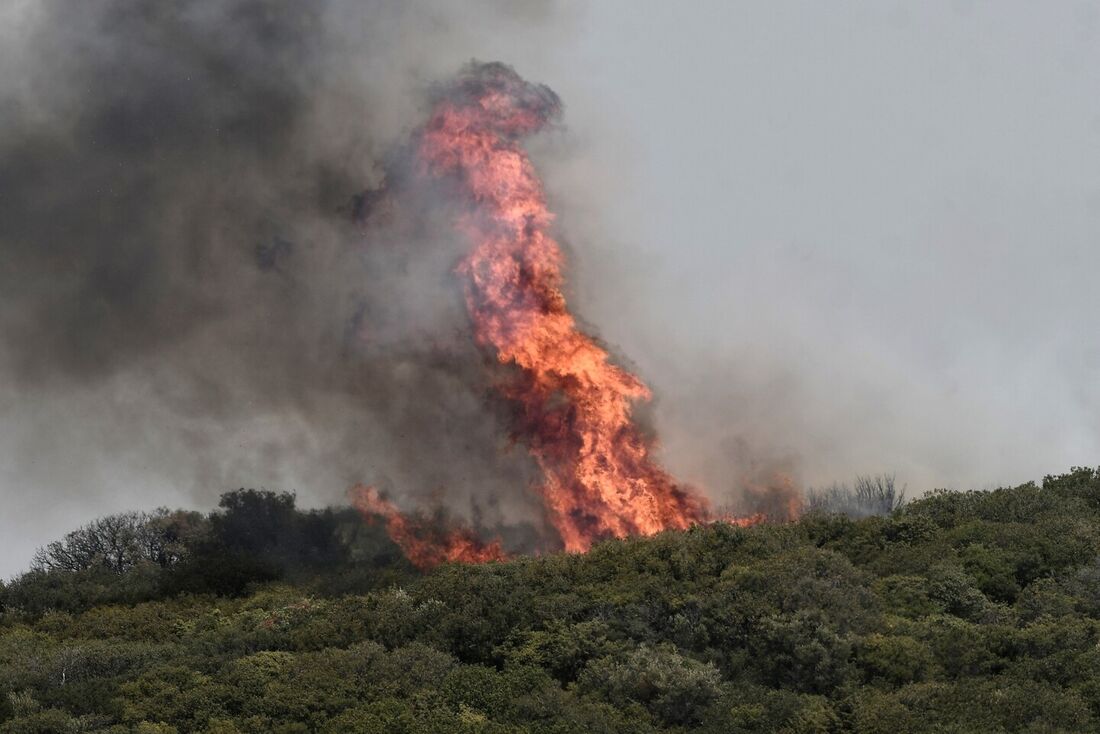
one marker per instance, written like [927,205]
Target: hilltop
[959,612]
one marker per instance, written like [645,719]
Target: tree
[877,495]
[673,687]
[119,543]
[255,520]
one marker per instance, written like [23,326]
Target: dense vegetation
[959,612]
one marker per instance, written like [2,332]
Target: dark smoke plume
[183,278]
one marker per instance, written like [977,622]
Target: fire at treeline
[571,406]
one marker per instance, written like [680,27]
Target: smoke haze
[832,240]
[862,238]
[188,304]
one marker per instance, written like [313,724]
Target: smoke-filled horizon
[831,241]
[190,304]
[861,238]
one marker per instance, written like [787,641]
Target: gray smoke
[834,240]
[188,305]
[852,238]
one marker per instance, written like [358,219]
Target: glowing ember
[746,521]
[425,544]
[773,495]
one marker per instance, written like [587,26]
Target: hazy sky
[870,229]
[841,237]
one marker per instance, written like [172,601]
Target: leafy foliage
[958,612]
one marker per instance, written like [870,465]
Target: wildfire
[425,544]
[573,406]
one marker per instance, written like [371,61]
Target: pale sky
[870,229]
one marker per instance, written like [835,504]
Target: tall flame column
[573,405]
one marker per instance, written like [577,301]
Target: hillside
[960,612]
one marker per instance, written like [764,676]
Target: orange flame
[574,408]
[773,495]
[574,405]
[425,544]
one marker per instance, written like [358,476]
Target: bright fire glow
[573,406]
[425,544]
